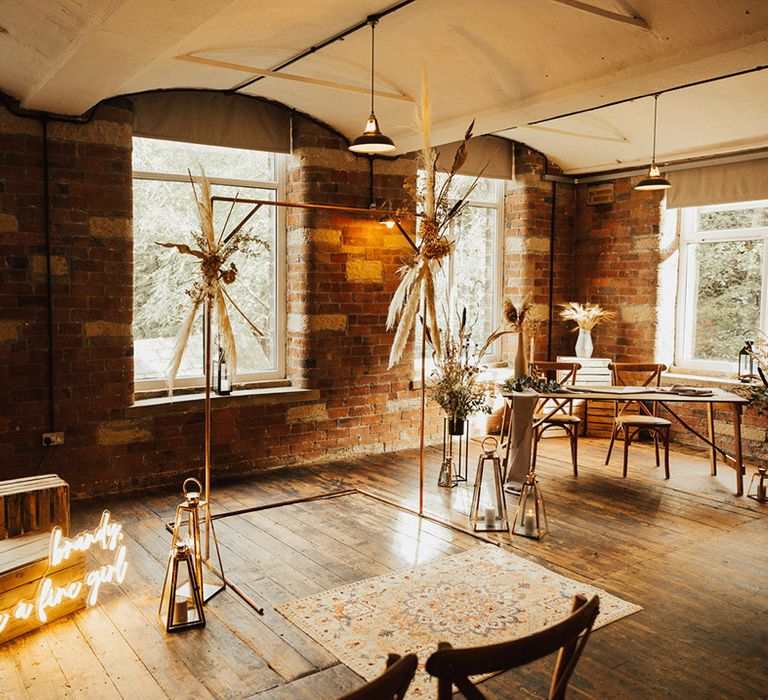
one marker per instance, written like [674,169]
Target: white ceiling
[505,63]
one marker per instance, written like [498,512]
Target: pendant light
[372,141]
[654,180]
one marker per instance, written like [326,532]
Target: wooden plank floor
[687,550]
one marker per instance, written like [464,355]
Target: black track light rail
[655,93]
[326,42]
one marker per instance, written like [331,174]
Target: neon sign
[49,596]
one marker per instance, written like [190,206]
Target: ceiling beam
[289,76]
[607,14]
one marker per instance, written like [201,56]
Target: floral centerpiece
[586,317]
[454,383]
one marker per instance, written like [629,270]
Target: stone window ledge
[694,378]
[238,398]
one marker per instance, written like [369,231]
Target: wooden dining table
[662,396]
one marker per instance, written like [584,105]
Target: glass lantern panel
[185,610]
[526,517]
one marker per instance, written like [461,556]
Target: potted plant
[586,317]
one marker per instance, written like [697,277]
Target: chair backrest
[568,637]
[390,685]
[549,370]
[636,374]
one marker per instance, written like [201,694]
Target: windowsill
[253,396]
[697,377]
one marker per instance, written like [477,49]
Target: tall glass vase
[584,345]
[521,360]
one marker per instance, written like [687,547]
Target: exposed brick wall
[342,274]
[528,222]
[618,253]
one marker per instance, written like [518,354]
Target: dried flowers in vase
[516,318]
[586,317]
[435,210]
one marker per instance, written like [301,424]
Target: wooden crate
[24,564]
[599,414]
[33,504]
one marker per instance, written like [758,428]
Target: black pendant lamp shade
[654,180]
[372,141]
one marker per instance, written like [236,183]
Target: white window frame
[278,187]
[689,234]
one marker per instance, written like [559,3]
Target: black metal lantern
[746,363]
[221,383]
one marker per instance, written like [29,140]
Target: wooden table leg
[739,466]
[712,451]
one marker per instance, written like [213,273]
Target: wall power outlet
[50,439]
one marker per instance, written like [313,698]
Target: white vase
[584,343]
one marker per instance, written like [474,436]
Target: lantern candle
[181,609]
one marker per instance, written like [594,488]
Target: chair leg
[656,446]
[666,452]
[610,447]
[575,449]
[536,437]
[626,450]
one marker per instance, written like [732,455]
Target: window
[164,210]
[471,278]
[723,289]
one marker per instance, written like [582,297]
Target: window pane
[726,296]
[164,211]
[730,218]
[475,268]
[486,189]
[175,157]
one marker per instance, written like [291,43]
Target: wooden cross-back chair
[390,685]
[632,424]
[557,413]
[454,666]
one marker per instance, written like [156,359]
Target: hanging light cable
[654,180]
[372,141]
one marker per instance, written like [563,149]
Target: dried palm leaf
[180,343]
[406,322]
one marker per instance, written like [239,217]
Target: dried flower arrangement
[454,384]
[516,318]
[585,316]
[435,210]
[214,252]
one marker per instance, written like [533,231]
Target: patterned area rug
[482,596]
